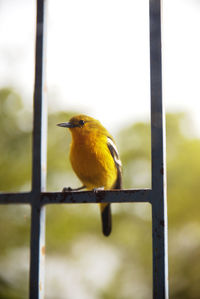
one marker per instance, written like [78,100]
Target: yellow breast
[92,161]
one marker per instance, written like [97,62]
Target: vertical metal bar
[159,205]
[40,115]
[37,252]
[39,162]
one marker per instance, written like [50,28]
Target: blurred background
[97,62]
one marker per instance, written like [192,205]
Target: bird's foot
[98,189]
[69,189]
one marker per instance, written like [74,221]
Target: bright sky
[98,56]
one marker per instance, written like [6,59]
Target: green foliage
[15,145]
[73,231]
[135,152]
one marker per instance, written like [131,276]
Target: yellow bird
[95,160]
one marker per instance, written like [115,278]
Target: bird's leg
[98,189]
[67,189]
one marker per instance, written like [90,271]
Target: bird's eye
[81,122]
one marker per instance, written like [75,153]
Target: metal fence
[156,196]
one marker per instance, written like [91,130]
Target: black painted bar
[159,201]
[39,163]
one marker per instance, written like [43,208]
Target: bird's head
[82,124]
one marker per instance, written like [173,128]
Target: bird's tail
[106,218]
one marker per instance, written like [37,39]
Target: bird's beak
[66,125]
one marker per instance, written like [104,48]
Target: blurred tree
[15,146]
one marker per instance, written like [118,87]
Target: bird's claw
[67,189]
[98,189]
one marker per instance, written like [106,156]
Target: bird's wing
[115,154]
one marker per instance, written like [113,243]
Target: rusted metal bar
[113,196]
[37,252]
[39,162]
[159,201]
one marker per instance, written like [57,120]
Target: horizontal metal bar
[100,196]
[16,198]
[113,196]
